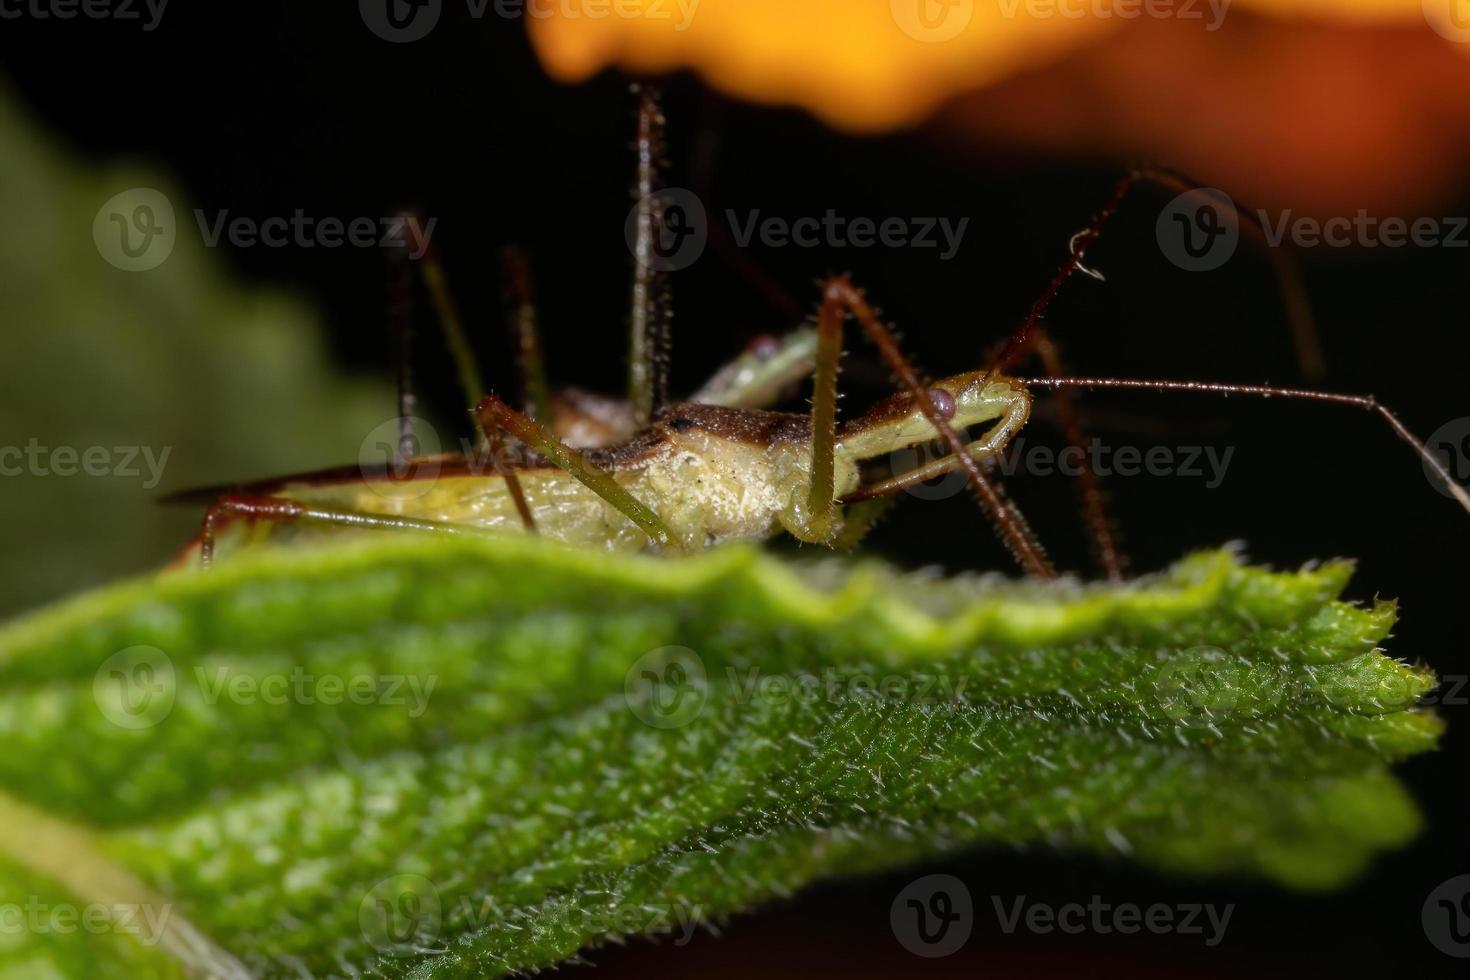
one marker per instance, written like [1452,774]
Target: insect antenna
[652,304]
[1032,337]
[1365,402]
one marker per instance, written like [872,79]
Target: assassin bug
[682,476]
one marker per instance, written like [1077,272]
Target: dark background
[264,108]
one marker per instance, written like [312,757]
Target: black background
[264,108]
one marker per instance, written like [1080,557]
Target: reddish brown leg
[281,510]
[652,308]
[520,313]
[840,297]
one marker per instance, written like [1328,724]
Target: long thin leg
[437,285]
[652,309]
[520,310]
[283,510]
[400,329]
[1365,402]
[840,297]
[495,414]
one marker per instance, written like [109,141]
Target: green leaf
[549,749]
[176,375]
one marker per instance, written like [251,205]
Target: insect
[678,477]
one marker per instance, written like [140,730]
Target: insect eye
[943,402]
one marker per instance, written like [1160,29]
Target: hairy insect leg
[1365,402]
[495,415]
[839,298]
[525,334]
[652,307]
[283,510]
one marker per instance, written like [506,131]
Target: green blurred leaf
[552,749]
[231,383]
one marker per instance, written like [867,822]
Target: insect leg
[437,285]
[400,330]
[520,310]
[283,510]
[839,298]
[652,307]
[495,415]
[767,368]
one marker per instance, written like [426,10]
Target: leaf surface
[458,759]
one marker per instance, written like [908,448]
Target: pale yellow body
[712,474]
